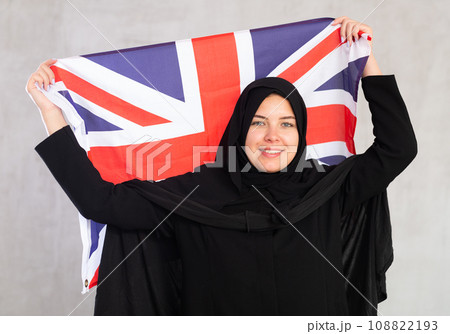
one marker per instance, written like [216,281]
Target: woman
[273,240]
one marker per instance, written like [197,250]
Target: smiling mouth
[270,153]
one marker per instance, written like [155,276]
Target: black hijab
[294,180]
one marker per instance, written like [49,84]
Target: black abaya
[205,260]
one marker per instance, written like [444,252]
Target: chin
[271,167]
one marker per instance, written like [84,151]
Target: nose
[272,135]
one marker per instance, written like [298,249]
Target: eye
[257,123]
[287,124]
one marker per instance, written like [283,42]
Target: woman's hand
[349,32]
[51,113]
[43,77]
[350,29]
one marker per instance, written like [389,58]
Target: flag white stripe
[301,52]
[156,132]
[122,87]
[318,151]
[85,232]
[105,114]
[96,256]
[332,64]
[246,59]
[335,96]
[191,116]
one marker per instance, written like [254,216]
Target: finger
[355,32]
[349,31]
[365,29]
[50,74]
[43,73]
[343,31]
[50,62]
[347,28]
[35,78]
[338,20]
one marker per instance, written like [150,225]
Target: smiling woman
[272,139]
[228,248]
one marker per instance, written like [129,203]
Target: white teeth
[271,151]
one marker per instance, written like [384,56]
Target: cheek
[253,138]
[291,138]
[291,141]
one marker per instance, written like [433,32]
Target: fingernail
[342,39]
[53,81]
[348,43]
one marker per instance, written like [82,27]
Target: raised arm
[51,114]
[395,145]
[94,198]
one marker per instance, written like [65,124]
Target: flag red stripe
[94,280]
[219,80]
[331,123]
[105,100]
[308,61]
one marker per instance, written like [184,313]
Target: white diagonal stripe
[246,59]
[122,87]
[331,96]
[327,149]
[302,51]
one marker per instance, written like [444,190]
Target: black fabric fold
[367,254]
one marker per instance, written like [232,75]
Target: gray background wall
[40,246]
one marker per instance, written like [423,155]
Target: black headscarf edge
[280,183]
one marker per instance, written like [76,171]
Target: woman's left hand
[350,29]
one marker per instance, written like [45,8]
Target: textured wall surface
[40,247]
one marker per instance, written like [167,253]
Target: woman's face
[272,138]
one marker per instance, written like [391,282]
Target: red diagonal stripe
[308,61]
[331,123]
[105,100]
[94,280]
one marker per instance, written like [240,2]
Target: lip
[270,155]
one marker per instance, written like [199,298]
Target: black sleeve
[394,146]
[95,198]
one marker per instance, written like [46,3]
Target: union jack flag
[127,107]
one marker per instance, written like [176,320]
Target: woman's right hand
[51,113]
[43,77]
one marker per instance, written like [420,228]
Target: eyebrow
[284,117]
